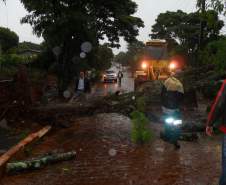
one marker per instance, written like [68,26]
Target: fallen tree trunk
[189,137]
[194,127]
[10,153]
[38,163]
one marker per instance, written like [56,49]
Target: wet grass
[141,133]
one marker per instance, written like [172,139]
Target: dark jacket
[171,99]
[87,87]
[218,109]
[120,75]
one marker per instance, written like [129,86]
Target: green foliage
[84,19]
[104,57]
[8,39]
[29,46]
[13,60]
[140,132]
[217,5]
[215,53]
[9,64]
[141,104]
[182,30]
[121,58]
[133,56]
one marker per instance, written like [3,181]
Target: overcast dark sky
[148,10]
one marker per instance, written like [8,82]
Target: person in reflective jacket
[172,97]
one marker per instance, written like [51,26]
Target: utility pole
[203,10]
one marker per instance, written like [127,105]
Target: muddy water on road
[104,89]
[105,156]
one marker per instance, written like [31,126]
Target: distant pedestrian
[120,76]
[218,115]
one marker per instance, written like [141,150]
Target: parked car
[110,76]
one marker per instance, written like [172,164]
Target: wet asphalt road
[106,156]
[103,89]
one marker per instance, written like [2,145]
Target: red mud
[105,156]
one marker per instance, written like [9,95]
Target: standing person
[172,97]
[82,85]
[120,76]
[218,113]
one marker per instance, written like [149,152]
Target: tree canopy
[217,5]
[67,24]
[215,53]
[30,46]
[8,39]
[104,57]
[84,20]
[182,30]
[121,58]
[134,54]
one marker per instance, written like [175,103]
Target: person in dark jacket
[82,84]
[120,76]
[218,115]
[172,96]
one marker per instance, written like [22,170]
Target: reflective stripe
[169,111]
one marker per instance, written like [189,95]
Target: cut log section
[38,163]
[30,138]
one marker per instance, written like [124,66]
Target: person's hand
[209,131]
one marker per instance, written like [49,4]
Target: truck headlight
[169,120]
[177,122]
[172,121]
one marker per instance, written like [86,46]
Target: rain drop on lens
[82,55]
[135,27]
[86,47]
[67,94]
[56,51]
[112,152]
